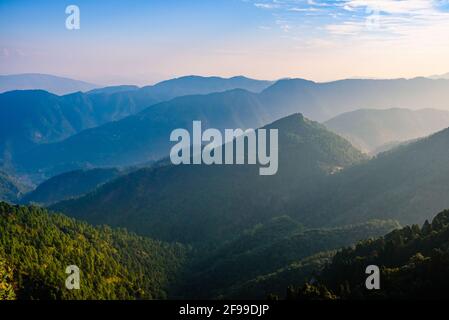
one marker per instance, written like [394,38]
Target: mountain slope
[9,189]
[413,264]
[114,264]
[265,249]
[50,83]
[201,203]
[370,129]
[408,184]
[69,185]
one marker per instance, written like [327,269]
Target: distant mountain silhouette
[322,101]
[35,81]
[190,85]
[441,76]
[113,89]
[371,130]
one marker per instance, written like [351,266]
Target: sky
[145,41]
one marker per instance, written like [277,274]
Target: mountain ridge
[371,129]
[51,83]
[307,153]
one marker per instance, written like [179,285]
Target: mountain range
[34,117]
[140,227]
[33,81]
[322,181]
[441,76]
[145,135]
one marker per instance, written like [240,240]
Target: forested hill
[413,262]
[69,185]
[253,265]
[204,203]
[409,184]
[36,247]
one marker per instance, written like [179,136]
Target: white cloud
[267,5]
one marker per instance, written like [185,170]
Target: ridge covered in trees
[36,247]
[413,263]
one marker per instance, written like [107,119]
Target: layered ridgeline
[375,130]
[29,118]
[50,83]
[10,189]
[36,247]
[322,101]
[413,264]
[201,203]
[68,185]
[253,265]
[409,184]
[146,135]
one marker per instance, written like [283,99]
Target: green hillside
[267,250]
[413,264]
[36,247]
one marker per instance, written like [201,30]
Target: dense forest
[268,249]
[36,247]
[413,262]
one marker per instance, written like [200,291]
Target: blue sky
[143,41]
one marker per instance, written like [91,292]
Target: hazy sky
[143,41]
